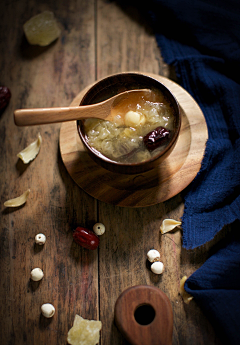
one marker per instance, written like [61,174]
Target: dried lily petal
[20,200]
[84,332]
[31,151]
[168,225]
[185,296]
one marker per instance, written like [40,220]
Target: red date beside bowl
[85,238]
[5,96]
[158,141]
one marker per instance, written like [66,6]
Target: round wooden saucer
[149,188]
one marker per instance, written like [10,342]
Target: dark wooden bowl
[112,85]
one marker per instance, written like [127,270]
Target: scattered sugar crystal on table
[42,29]
[84,332]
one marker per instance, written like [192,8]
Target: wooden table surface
[98,38]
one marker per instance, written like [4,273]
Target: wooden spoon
[143,314]
[102,110]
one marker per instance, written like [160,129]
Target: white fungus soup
[138,128]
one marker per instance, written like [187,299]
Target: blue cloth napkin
[201,38]
[213,199]
[204,47]
[215,287]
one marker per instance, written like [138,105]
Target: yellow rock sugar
[84,332]
[42,29]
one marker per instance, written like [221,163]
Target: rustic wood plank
[125,42]
[53,76]
[39,77]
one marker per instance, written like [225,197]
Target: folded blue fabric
[206,61]
[216,288]
[205,50]
[204,47]
[213,199]
[201,38]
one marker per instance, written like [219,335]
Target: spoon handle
[41,116]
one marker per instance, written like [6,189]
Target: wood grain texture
[43,77]
[97,38]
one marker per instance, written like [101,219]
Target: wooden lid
[143,314]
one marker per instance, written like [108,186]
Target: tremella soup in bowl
[141,130]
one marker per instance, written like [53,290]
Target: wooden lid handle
[143,314]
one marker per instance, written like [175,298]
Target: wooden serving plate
[149,188]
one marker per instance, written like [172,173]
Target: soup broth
[135,124]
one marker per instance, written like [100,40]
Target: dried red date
[156,138]
[5,96]
[85,238]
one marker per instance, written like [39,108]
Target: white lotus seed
[48,310]
[36,274]
[157,267]
[133,118]
[99,228]
[153,255]
[40,239]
